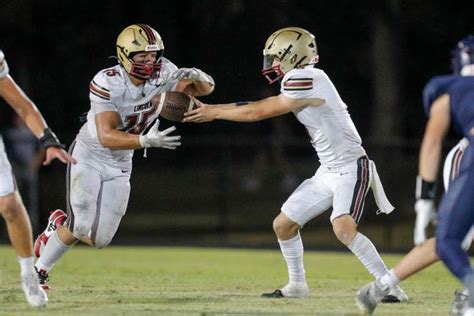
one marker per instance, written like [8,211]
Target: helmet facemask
[269,71]
[145,71]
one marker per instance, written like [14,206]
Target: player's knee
[344,233]
[81,229]
[10,207]
[284,228]
[343,236]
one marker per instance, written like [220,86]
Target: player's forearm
[115,139]
[202,88]
[35,122]
[430,155]
[233,112]
[23,106]
[195,88]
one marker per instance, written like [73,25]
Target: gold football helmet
[138,38]
[292,47]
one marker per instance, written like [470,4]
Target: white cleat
[460,302]
[296,290]
[370,295]
[35,295]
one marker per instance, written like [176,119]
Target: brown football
[172,105]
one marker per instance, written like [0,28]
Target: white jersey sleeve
[3,66]
[104,90]
[300,84]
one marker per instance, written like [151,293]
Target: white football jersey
[3,65]
[333,134]
[112,90]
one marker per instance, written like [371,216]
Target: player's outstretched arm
[430,156]
[30,114]
[248,111]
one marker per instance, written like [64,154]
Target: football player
[121,110]
[342,181]
[448,101]
[11,205]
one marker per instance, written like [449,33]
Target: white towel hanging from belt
[381,199]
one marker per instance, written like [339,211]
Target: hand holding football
[172,105]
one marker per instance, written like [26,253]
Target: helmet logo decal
[293,58]
[135,42]
[287,51]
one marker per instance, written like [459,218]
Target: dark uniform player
[446,103]
[456,211]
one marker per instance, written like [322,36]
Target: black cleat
[274,294]
[390,299]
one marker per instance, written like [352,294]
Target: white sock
[365,250]
[52,252]
[26,264]
[292,250]
[390,279]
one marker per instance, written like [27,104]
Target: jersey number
[136,123]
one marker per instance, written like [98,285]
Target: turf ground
[210,281]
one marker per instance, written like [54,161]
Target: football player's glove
[425,212]
[193,74]
[156,138]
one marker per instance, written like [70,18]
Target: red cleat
[55,220]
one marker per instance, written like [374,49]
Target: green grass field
[210,281]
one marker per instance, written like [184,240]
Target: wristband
[49,139]
[424,189]
[240,103]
